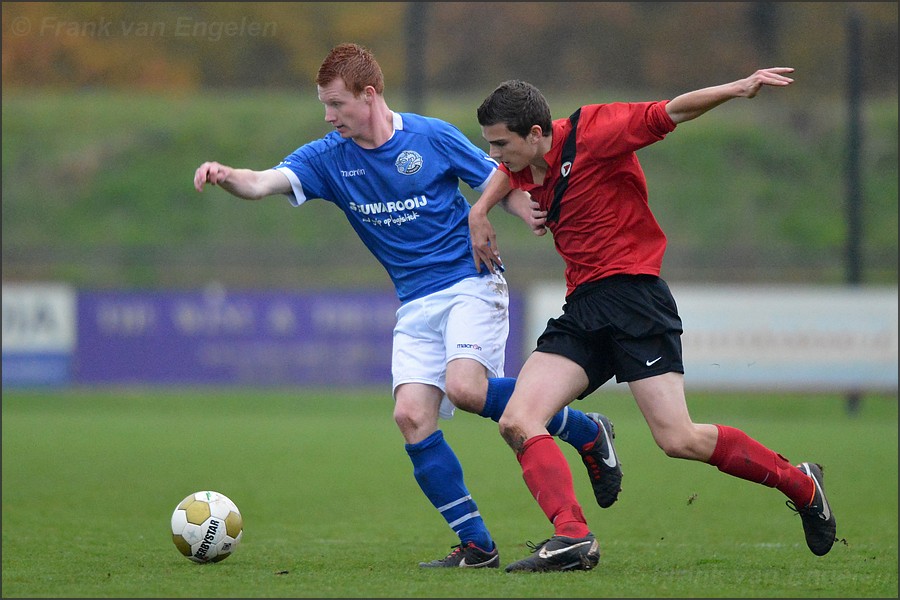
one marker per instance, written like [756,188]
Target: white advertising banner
[38,333]
[788,338]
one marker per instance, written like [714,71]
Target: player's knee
[467,395]
[673,450]
[678,445]
[409,420]
[512,433]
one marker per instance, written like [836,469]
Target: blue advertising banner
[240,338]
[218,337]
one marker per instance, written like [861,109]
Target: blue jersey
[402,199]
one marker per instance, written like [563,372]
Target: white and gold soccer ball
[207,527]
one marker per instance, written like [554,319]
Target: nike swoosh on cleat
[826,510]
[544,553]
[650,363]
[611,460]
[463,563]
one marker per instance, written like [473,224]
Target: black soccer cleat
[468,556]
[560,553]
[818,521]
[602,462]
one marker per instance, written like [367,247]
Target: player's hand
[484,242]
[772,76]
[210,172]
[538,219]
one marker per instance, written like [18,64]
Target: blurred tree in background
[109,107]
[468,45]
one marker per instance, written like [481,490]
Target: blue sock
[573,426]
[439,474]
[498,393]
[569,425]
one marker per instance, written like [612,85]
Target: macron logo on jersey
[469,346]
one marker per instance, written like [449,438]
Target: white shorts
[467,320]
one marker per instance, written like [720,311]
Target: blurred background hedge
[109,107]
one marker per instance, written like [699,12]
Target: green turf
[330,507]
[753,191]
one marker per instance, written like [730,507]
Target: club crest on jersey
[566,168]
[408,162]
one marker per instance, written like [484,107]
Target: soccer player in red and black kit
[619,317]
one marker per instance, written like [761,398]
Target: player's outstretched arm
[243,183]
[693,104]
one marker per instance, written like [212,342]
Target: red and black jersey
[605,226]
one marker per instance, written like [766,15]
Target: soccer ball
[207,527]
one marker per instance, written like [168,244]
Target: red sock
[738,454]
[549,479]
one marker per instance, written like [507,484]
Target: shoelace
[812,509]
[535,547]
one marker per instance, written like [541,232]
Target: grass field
[91,477]
[753,191]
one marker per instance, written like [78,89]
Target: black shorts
[624,325]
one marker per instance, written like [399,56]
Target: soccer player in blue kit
[396,178]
